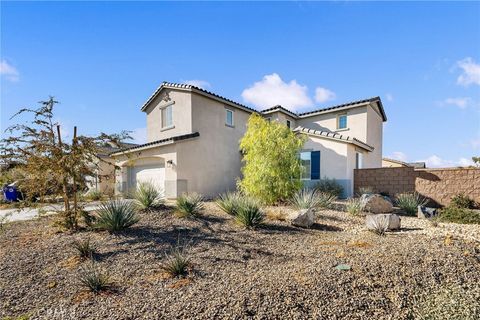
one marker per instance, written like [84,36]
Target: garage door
[154,173]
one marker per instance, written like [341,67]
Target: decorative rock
[426,212]
[303,218]
[376,219]
[376,203]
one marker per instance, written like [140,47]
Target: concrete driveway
[33,213]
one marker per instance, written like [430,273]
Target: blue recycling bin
[11,193]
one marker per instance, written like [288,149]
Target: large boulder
[303,218]
[376,203]
[373,220]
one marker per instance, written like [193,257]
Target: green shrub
[94,195]
[94,279]
[459,215]
[249,214]
[189,205]
[354,206]
[409,202]
[116,215]
[85,248]
[330,186]
[229,202]
[147,196]
[462,201]
[307,198]
[176,263]
[272,168]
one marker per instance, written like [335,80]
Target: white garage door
[154,174]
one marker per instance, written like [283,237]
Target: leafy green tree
[272,168]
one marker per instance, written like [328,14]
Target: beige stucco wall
[391,164]
[211,164]
[374,138]
[181,102]
[282,118]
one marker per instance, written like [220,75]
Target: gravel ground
[275,272]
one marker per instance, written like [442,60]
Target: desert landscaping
[337,269]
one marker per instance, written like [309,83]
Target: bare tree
[51,166]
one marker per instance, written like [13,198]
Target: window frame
[339,116]
[227,111]
[289,124]
[164,115]
[305,172]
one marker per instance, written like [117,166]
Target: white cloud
[470,74]
[139,135]
[435,161]
[272,90]
[389,97]
[198,83]
[461,102]
[324,95]
[398,155]
[9,71]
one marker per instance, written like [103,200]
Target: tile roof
[334,136]
[418,164]
[277,107]
[154,143]
[191,87]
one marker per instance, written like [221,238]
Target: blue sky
[103,60]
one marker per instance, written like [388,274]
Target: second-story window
[229,117]
[289,124]
[167,117]
[342,121]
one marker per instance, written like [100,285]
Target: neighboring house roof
[279,108]
[406,164]
[157,143]
[334,136]
[110,148]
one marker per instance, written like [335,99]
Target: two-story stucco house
[193,141]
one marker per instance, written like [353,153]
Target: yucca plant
[305,199]
[325,200]
[409,202]
[249,214]
[189,205]
[85,248]
[354,206]
[116,215]
[94,279]
[229,202]
[147,196]
[378,226]
[176,262]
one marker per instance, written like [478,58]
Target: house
[193,141]
[392,163]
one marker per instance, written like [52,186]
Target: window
[268,119]
[288,124]
[358,160]
[167,117]
[342,121]
[310,161]
[229,117]
[306,161]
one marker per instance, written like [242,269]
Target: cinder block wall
[439,185]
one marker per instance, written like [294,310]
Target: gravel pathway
[275,272]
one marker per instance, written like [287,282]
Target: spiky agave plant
[189,205]
[230,201]
[176,262]
[354,206]
[116,215]
[94,279]
[409,202]
[249,214]
[147,196]
[85,248]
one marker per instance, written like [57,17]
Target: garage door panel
[154,174]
